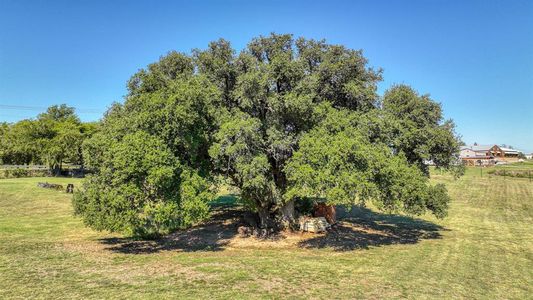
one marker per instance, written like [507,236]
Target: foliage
[512,173]
[421,134]
[21,143]
[136,190]
[336,161]
[17,173]
[54,137]
[458,170]
[150,156]
[274,85]
[284,120]
[282,90]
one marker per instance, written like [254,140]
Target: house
[529,156]
[510,155]
[477,155]
[487,155]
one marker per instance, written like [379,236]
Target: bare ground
[357,229]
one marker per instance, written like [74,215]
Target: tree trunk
[283,218]
[288,218]
[265,220]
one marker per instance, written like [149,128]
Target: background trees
[20,143]
[54,137]
[283,120]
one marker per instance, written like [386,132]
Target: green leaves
[53,138]
[143,159]
[152,192]
[158,75]
[337,161]
[284,120]
[151,155]
[421,133]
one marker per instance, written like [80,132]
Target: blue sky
[475,57]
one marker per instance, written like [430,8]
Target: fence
[36,167]
[24,167]
[17,171]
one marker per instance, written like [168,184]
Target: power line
[37,108]
[16,116]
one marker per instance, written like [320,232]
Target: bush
[438,200]
[141,189]
[19,173]
[511,173]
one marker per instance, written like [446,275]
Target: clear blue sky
[475,57]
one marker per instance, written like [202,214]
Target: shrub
[511,173]
[19,173]
[141,189]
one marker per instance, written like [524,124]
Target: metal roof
[478,147]
[509,150]
[488,147]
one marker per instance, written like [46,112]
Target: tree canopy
[54,137]
[283,120]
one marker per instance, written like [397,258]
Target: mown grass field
[483,250]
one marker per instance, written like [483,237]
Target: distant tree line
[54,138]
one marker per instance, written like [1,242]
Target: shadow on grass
[361,228]
[212,235]
[224,201]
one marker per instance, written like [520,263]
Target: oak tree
[284,120]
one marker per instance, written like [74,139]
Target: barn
[487,155]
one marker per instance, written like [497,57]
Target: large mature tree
[283,120]
[278,83]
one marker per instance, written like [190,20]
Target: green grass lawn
[483,250]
